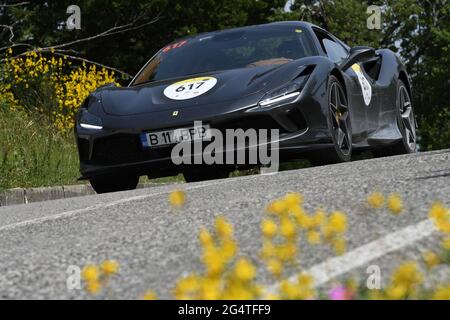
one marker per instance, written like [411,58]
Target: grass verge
[33,154]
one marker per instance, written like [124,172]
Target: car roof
[253,27]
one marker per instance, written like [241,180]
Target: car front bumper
[117,150]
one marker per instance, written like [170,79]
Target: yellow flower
[287,251]
[293,200]
[214,261]
[177,198]
[306,286]
[431,259]
[93,287]
[272,296]
[438,211]
[340,245]
[210,289]
[275,267]
[394,203]
[268,250]
[229,249]
[268,228]
[205,237]
[187,286]
[109,267]
[223,228]
[319,218]
[442,293]
[446,243]
[287,228]
[441,217]
[338,222]
[150,295]
[406,277]
[289,290]
[375,200]
[443,225]
[305,280]
[90,273]
[396,292]
[244,270]
[313,237]
[277,207]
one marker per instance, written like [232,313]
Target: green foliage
[33,154]
[43,25]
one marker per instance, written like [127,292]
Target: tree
[40,23]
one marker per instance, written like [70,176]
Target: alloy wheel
[340,118]
[407,121]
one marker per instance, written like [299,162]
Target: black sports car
[326,100]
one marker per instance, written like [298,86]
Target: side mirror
[358,54]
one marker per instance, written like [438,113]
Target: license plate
[167,137]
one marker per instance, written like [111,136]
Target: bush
[49,86]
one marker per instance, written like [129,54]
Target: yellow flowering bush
[44,84]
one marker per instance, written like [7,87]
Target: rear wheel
[338,121]
[105,184]
[205,173]
[406,124]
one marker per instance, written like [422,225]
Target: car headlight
[90,121]
[284,94]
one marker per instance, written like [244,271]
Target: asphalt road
[156,244]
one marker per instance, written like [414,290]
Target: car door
[360,87]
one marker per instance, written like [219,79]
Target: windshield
[247,48]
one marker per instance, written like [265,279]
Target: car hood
[231,85]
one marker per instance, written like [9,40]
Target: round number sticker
[364,83]
[190,88]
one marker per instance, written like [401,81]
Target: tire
[205,174]
[339,125]
[406,125]
[106,184]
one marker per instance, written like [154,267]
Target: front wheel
[338,121]
[105,184]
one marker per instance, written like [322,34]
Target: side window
[334,50]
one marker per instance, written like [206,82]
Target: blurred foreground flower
[375,200]
[177,198]
[431,259]
[340,292]
[96,277]
[90,273]
[150,295]
[405,282]
[394,203]
[109,267]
